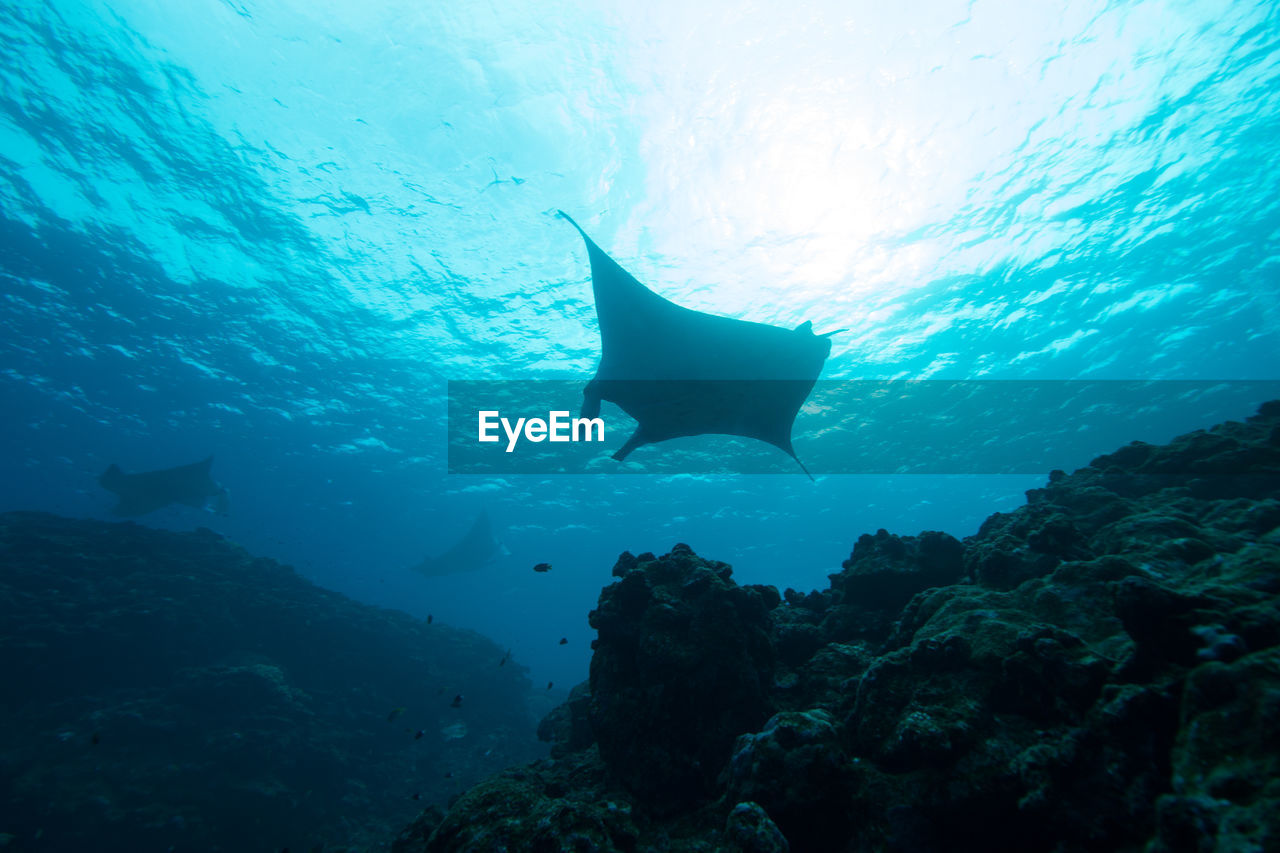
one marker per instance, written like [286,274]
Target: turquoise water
[274,231]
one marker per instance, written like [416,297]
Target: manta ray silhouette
[148,491]
[680,372]
[469,554]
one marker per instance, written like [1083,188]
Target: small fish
[549,683]
[417,796]
[395,712]
[564,641]
[457,701]
[505,658]
[95,739]
[429,618]
[418,734]
[542,567]
[449,775]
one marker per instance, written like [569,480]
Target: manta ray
[680,372]
[471,553]
[148,491]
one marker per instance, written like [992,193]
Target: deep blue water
[274,231]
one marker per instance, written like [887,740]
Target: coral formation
[1099,669]
[169,691]
[681,667]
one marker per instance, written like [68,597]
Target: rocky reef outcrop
[1097,670]
[169,691]
[682,666]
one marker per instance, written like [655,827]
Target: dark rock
[682,667]
[1186,825]
[1146,531]
[625,563]
[750,830]
[1268,411]
[795,769]
[568,726]
[169,691]
[1049,678]
[881,575]
[1159,619]
[515,811]
[413,838]
[884,570]
[1130,457]
[797,642]
[1097,670]
[1226,759]
[768,593]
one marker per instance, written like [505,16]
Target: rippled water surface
[274,231]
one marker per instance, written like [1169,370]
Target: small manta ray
[680,372]
[471,553]
[189,485]
[496,180]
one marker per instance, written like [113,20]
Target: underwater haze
[274,231]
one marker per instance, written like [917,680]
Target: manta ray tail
[786,448]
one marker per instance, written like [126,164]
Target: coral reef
[1097,670]
[681,667]
[168,691]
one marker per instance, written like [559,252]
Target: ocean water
[275,231]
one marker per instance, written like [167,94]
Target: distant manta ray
[189,485]
[472,552]
[680,372]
